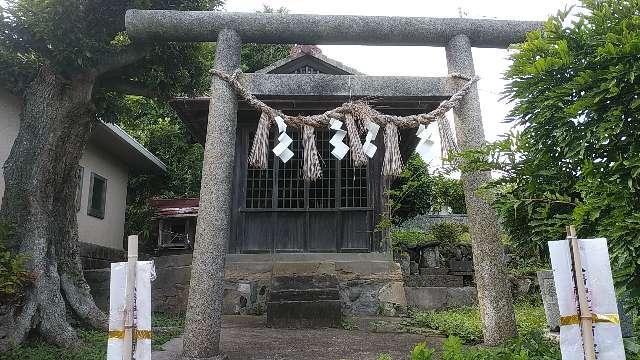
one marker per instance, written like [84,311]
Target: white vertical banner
[600,295]
[117,286]
[145,273]
[607,334]
[570,334]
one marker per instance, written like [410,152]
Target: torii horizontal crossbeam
[356,86]
[190,26]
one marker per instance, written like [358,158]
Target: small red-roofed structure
[176,222]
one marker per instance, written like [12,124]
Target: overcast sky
[424,61]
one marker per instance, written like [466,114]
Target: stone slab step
[433,271]
[304,295]
[307,268]
[304,314]
[433,298]
[434,281]
[463,266]
[307,257]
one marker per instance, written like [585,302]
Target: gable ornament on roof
[359,117]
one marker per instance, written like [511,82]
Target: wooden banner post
[132,260]
[586,320]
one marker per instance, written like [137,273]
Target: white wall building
[110,157]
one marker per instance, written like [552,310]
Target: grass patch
[529,346]
[94,347]
[165,320]
[94,344]
[465,322]
[166,327]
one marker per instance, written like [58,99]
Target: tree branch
[127,87]
[121,59]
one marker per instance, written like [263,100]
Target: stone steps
[304,295]
[304,314]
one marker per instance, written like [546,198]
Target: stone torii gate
[229,30]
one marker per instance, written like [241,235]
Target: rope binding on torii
[359,118]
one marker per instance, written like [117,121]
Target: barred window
[260,183]
[290,181]
[342,184]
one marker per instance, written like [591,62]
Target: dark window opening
[176,233]
[97,196]
[179,227]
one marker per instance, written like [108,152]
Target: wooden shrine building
[275,210]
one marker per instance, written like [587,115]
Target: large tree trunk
[39,201]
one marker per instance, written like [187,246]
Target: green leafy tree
[411,193]
[155,125]
[576,159]
[448,192]
[416,192]
[534,198]
[71,61]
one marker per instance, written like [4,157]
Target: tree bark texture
[39,201]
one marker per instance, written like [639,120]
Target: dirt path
[246,338]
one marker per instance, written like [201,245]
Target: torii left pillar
[206,294]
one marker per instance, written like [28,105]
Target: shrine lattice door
[276,210]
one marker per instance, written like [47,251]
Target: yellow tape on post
[596,318]
[139,334]
[116,334]
[143,334]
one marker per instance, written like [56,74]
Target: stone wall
[367,287]
[371,287]
[434,298]
[99,257]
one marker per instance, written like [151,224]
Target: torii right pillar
[494,294]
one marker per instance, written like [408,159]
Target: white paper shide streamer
[425,144]
[607,334]
[282,150]
[368,148]
[340,149]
